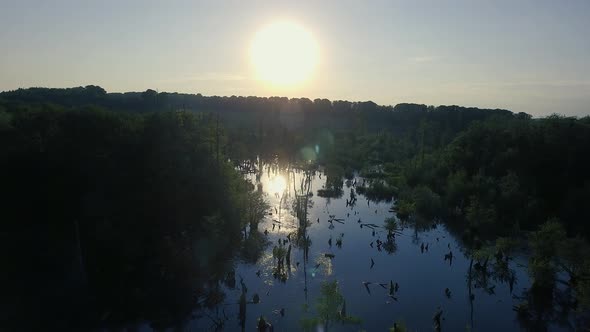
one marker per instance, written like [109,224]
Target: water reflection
[387,269]
[276,185]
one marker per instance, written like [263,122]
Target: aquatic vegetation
[253,246]
[330,308]
[404,208]
[391,225]
[428,203]
[256,209]
[378,191]
[390,246]
[398,327]
[506,246]
[279,253]
[545,244]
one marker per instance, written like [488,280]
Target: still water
[422,275]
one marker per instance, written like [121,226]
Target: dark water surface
[422,276]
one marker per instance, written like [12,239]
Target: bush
[428,203]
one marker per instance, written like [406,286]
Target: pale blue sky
[530,56]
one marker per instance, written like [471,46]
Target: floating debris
[449,257]
[339,242]
[392,297]
[436,318]
[491,290]
[448,293]
[264,326]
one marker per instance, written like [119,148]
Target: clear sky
[524,55]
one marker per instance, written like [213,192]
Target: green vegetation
[137,210]
[330,308]
[138,189]
[501,176]
[398,327]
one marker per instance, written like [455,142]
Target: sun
[284,54]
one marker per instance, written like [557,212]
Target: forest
[116,203]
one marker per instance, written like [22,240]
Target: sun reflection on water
[277,185]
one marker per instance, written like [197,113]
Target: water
[422,276]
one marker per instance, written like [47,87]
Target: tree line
[107,175]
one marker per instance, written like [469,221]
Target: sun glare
[277,185]
[284,54]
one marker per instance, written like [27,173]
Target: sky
[524,55]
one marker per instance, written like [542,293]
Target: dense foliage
[119,213]
[138,184]
[501,176]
